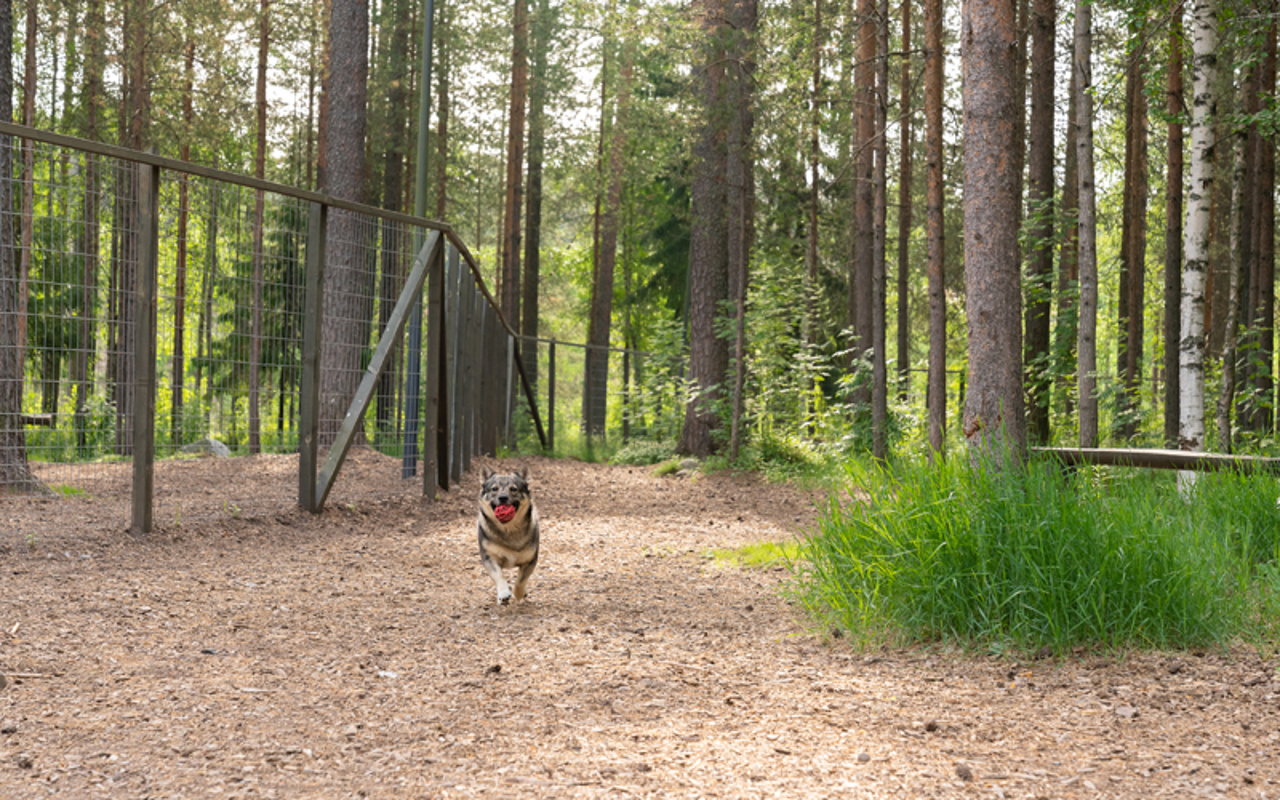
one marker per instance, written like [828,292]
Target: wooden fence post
[453,318]
[144,347]
[309,400]
[435,433]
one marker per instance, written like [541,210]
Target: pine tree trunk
[259,171]
[1040,198]
[87,330]
[1263,244]
[1133,251]
[1204,44]
[1068,291]
[541,40]
[15,475]
[394,148]
[904,207]
[879,366]
[345,321]
[994,420]
[934,208]
[515,166]
[1086,253]
[1173,232]
[596,372]
[862,278]
[1230,353]
[739,192]
[708,266]
[444,51]
[177,388]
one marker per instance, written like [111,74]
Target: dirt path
[360,654]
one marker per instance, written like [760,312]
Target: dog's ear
[523,472]
[486,473]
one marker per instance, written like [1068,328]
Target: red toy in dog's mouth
[504,513]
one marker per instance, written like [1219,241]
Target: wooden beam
[1159,459]
[144,348]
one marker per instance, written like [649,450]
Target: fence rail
[163,305]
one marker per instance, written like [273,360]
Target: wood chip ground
[360,653]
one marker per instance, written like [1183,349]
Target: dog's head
[505,490]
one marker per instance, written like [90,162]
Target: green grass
[66,490]
[1028,557]
[760,555]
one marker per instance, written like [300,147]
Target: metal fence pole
[144,348]
[309,391]
[551,396]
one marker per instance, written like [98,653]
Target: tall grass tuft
[1028,556]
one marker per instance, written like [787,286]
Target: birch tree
[1204,71]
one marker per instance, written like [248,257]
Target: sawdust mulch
[360,653]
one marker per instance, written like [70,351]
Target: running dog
[508,530]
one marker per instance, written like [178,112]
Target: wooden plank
[1159,459]
[364,393]
[309,400]
[144,348]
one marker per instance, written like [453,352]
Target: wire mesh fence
[159,323]
[228,313]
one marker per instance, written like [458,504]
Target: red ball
[504,513]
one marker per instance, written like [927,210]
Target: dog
[508,530]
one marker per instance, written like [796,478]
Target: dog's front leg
[521,582]
[495,572]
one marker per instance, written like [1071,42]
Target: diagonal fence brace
[364,394]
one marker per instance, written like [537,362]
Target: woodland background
[769,197]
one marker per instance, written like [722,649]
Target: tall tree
[1262,245]
[346,323]
[177,389]
[94,65]
[15,475]
[1173,230]
[540,44]
[1040,196]
[708,264]
[904,206]
[815,164]
[511,234]
[994,421]
[1086,236]
[395,147]
[596,372]
[934,200]
[259,171]
[1238,268]
[1204,69]
[1133,245]
[861,278]
[879,372]
[740,191]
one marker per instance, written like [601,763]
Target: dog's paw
[504,597]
